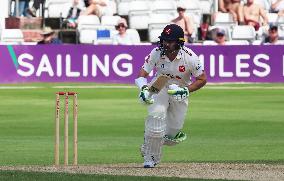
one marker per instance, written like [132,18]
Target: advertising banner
[121,64]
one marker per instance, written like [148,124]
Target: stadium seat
[272,17]
[123,7]
[281,31]
[110,21]
[190,4]
[256,42]
[206,6]
[280,20]
[113,7]
[154,31]
[88,21]
[0,30]
[134,36]
[209,42]
[162,6]
[104,36]
[12,36]
[160,18]
[88,35]
[237,42]
[243,32]
[224,19]
[281,42]
[29,43]
[139,12]
[87,28]
[58,8]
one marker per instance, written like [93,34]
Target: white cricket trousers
[170,112]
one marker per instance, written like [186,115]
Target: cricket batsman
[167,94]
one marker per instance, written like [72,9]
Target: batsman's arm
[141,82]
[143,73]
[199,82]
[141,78]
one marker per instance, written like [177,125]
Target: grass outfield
[224,125]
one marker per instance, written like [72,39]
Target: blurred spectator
[252,13]
[87,3]
[23,7]
[73,15]
[97,7]
[273,37]
[281,13]
[35,7]
[203,30]
[219,36]
[48,37]
[226,6]
[277,6]
[122,37]
[237,8]
[184,22]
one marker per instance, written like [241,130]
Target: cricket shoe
[150,163]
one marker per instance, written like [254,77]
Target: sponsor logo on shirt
[181,68]
[198,67]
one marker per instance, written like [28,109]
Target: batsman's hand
[145,96]
[179,93]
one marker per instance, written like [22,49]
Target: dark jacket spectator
[48,36]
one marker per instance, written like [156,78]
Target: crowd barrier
[120,64]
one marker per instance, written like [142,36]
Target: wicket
[66,132]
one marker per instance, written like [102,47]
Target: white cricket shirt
[185,65]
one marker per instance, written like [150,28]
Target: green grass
[244,125]
[24,176]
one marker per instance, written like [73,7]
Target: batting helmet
[173,32]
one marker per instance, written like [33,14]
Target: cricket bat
[159,84]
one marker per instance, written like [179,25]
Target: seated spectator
[252,13]
[35,7]
[273,37]
[219,36]
[73,15]
[281,13]
[184,22]
[122,37]
[87,2]
[277,6]
[237,7]
[23,7]
[97,7]
[226,6]
[48,37]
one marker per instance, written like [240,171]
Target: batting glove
[145,96]
[179,93]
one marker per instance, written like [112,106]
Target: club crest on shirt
[181,68]
[198,67]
